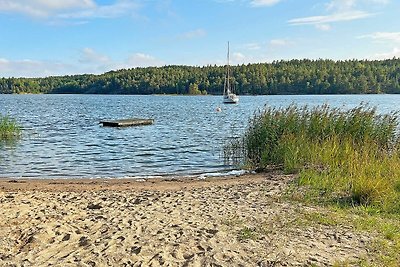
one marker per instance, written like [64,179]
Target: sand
[230,221]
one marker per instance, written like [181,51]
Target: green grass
[384,230]
[9,129]
[347,160]
[247,233]
[346,156]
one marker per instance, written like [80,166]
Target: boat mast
[227,70]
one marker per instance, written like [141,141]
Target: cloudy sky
[57,37]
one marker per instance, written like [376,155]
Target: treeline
[280,77]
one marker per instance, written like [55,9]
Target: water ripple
[62,136]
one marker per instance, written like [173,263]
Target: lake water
[62,137]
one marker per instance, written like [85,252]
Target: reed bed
[352,156]
[9,128]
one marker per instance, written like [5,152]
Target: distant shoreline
[285,77]
[195,95]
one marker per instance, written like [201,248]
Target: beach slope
[230,221]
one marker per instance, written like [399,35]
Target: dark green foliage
[280,77]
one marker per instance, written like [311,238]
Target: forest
[279,77]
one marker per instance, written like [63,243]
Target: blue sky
[58,37]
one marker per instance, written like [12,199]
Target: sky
[40,38]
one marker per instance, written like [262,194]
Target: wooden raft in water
[127,122]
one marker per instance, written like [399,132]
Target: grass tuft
[9,129]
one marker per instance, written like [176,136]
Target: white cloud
[323,27]
[341,5]
[383,36]
[238,57]
[345,16]
[259,3]
[142,60]
[43,8]
[382,2]
[339,11]
[89,56]
[193,34]
[69,9]
[101,63]
[33,68]
[274,43]
[252,46]
[60,4]
[224,1]
[388,55]
[278,42]
[345,5]
[253,3]
[387,38]
[89,61]
[119,8]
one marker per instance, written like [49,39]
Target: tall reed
[9,128]
[350,154]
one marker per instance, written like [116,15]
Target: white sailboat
[229,96]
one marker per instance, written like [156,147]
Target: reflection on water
[8,144]
[62,136]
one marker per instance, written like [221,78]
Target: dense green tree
[279,77]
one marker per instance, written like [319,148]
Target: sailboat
[229,96]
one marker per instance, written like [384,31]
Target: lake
[62,137]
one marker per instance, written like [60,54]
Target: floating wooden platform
[127,122]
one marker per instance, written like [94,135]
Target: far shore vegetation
[279,77]
[9,129]
[348,160]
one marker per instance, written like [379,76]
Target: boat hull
[231,99]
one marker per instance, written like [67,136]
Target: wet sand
[230,221]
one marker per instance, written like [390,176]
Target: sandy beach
[230,221]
